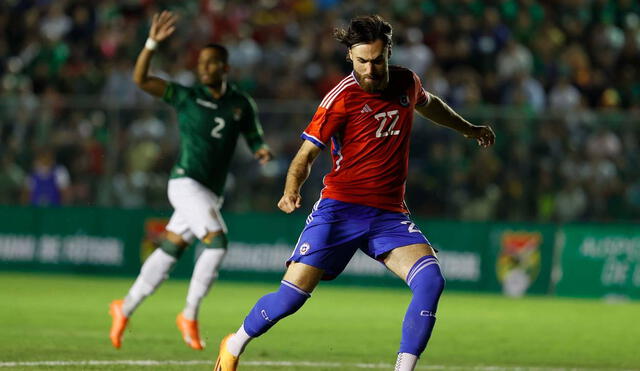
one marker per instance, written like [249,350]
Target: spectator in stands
[557,75]
[12,179]
[48,183]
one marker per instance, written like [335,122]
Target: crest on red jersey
[404,100]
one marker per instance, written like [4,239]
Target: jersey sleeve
[175,94]
[251,127]
[325,123]
[422,96]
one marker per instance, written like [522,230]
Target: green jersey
[209,130]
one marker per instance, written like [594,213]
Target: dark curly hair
[365,29]
[224,53]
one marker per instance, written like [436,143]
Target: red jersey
[369,136]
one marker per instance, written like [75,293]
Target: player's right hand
[289,202]
[162,25]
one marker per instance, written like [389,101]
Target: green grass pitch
[46,318]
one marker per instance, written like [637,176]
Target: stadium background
[553,208]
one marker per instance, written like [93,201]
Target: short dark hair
[365,29]
[224,53]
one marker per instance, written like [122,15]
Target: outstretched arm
[440,113]
[162,26]
[298,172]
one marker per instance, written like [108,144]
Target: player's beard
[377,84]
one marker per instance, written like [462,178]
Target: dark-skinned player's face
[211,67]
[371,65]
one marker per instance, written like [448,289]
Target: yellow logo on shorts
[304,248]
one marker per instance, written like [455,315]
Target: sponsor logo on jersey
[304,248]
[366,109]
[206,103]
[404,101]
[180,171]
[518,263]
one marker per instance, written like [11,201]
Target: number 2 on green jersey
[215,132]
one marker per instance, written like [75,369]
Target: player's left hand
[483,134]
[263,155]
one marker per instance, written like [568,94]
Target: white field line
[306,364]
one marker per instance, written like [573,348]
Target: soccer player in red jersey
[366,120]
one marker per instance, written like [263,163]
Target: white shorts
[196,209]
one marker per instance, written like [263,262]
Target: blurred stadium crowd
[560,81]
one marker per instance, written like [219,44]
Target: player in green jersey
[211,116]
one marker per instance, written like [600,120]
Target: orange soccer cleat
[118,323]
[189,330]
[226,361]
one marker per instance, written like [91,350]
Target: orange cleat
[118,323]
[226,361]
[190,332]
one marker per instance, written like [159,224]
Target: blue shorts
[335,230]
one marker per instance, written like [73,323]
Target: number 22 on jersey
[383,117]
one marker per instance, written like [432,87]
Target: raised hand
[483,134]
[162,25]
